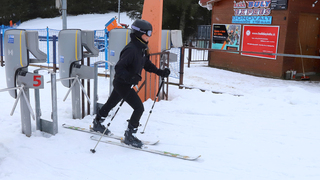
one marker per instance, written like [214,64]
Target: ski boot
[98,127]
[130,138]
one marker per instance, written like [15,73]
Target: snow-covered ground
[271,132]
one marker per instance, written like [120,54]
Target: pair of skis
[145,148]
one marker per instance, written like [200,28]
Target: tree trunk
[182,20]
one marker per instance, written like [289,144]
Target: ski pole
[94,149]
[153,104]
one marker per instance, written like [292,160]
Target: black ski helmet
[140,27]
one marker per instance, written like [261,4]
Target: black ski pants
[124,91]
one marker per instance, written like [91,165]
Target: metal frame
[42,124]
[165,64]
[96,105]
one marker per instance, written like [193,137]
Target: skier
[133,58]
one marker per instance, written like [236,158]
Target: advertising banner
[226,36]
[252,12]
[251,19]
[257,38]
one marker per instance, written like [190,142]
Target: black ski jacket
[133,58]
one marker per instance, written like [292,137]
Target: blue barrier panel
[48,52]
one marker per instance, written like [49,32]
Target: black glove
[133,79]
[163,73]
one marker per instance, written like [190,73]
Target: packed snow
[259,129]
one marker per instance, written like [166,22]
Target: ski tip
[197,157]
[191,158]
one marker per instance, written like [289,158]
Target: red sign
[37,80]
[260,39]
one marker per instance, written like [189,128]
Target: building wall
[303,10]
[287,20]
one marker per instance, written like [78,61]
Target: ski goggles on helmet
[148,32]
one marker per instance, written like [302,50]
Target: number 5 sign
[31,80]
[37,80]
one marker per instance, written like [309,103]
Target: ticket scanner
[18,44]
[74,45]
[118,39]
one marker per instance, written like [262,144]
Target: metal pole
[82,95]
[88,88]
[37,107]
[95,88]
[64,14]
[25,112]
[54,103]
[1,46]
[75,98]
[54,49]
[119,11]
